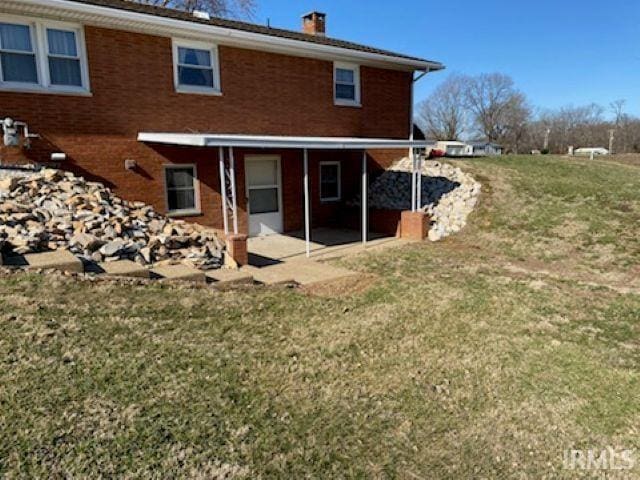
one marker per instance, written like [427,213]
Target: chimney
[314,23]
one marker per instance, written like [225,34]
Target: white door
[264,194]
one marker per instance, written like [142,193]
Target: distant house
[482,148]
[591,151]
[453,148]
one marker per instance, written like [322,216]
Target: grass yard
[486,355]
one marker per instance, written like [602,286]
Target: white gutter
[267,141]
[64,9]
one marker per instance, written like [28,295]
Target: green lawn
[486,355]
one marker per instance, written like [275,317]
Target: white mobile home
[454,149]
[482,149]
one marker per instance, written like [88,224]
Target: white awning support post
[234,201]
[307,220]
[419,186]
[223,190]
[365,200]
[413,180]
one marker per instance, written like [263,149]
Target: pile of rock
[448,194]
[51,209]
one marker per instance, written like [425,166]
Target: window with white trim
[181,189]
[346,84]
[17,54]
[330,184]
[40,55]
[196,67]
[63,55]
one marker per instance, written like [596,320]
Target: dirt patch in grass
[342,287]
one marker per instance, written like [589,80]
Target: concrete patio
[281,258]
[327,243]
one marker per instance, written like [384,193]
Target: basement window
[330,181]
[346,79]
[42,56]
[196,67]
[181,190]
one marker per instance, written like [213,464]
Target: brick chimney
[314,23]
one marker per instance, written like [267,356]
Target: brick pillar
[237,248]
[414,225]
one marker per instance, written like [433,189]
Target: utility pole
[546,139]
[611,139]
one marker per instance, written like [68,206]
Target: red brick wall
[383,159]
[132,88]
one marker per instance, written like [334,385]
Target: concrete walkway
[301,272]
[274,260]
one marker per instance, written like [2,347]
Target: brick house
[245,128]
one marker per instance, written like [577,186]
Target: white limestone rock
[449,195]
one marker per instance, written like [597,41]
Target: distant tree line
[490,107]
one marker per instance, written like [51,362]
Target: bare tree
[491,105]
[443,114]
[219,8]
[498,108]
[617,108]
[516,118]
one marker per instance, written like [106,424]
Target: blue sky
[559,52]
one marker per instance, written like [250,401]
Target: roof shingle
[136,7]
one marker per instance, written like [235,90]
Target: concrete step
[123,268]
[271,275]
[179,272]
[302,272]
[223,277]
[306,272]
[61,260]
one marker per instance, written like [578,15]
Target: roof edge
[127,19]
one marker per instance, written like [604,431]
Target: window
[347,84]
[196,67]
[17,54]
[64,58]
[330,181]
[182,195]
[42,56]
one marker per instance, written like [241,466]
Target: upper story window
[195,67]
[346,84]
[65,65]
[42,56]
[17,54]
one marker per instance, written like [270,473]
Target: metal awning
[272,141]
[228,177]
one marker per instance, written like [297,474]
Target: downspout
[413,83]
